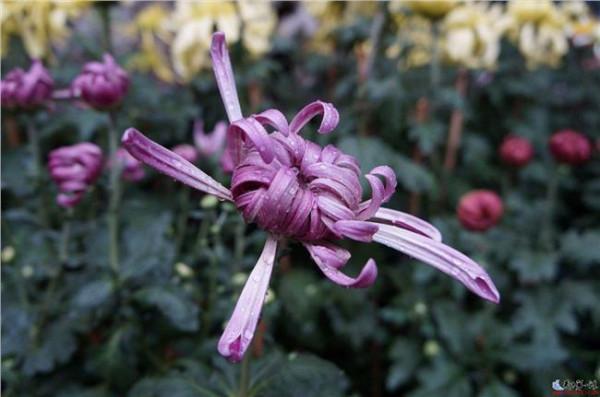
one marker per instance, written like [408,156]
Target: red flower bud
[479,210]
[570,147]
[516,151]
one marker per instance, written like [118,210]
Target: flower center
[302,192]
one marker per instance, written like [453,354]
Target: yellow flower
[414,43]
[581,22]
[259,21]
[334,14]
[473,33]
[433,9]
[194,23]
[529,10]
[152,25]
[541,31]
[39,24]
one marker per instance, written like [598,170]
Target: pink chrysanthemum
[294,188]
[28,89]
[74,169]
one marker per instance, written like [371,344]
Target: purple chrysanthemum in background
[133,169]
[213,143]
[74,169]
[188,152]
[101,85]
[294,188]
[26,89]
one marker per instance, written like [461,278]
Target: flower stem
[36,168]
[547,235]
[104,10]
[63,252]
[245,376]
[115,195]
[434,65]
[184,204]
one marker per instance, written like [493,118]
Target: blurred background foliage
[430,88]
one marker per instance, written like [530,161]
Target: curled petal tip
[128,135]
[487,290]
[367,276]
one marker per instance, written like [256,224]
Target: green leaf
[372,152]
[532,266]
[498,389]
[427,135]
[303,375]
[16,336]
[148,250]
[167,387]
[93,294]
[444,378]
[405,356]
[581,248]
[177,308]
[56,345]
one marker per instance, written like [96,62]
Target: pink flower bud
[188,152]
[479,210]
[516,151]
[101,85]
[133,170]
[26,90]
[74,168]
[570,147]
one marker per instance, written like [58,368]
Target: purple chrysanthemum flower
[26,89]
[74,169]
[133,169]
[294,188]
[101,85]
[211,143]
[188,152]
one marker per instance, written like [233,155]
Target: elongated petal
[275,119]
[256,133]
[241,326]
[171,164]
[370,207]
[408,222]
[356,230]
[331,117]
[224,75]
[440,256]
[330,259]
[390,180]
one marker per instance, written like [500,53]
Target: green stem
[245,376]
[63,251]
[240,244]
[181,227]
[36,168]
[115,195]
[547,234]
[434,66]
[104,10]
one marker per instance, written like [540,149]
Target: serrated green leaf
[303,375]
[177,308]
[93,294]
[532,266]
[372,152]
[581,248]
